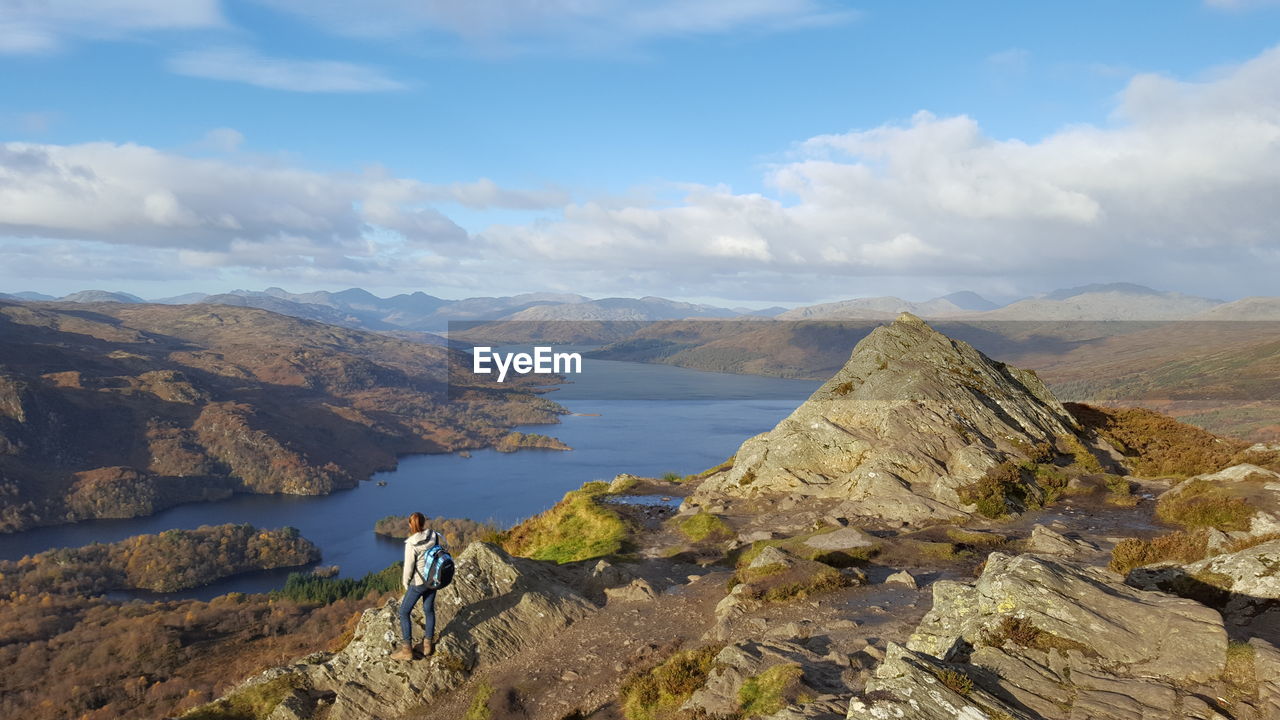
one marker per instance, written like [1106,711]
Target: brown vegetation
[1182,546]
[1021,631]
[69,652]
[112,410]
[172,560]
[1201,503]
[1156,445]
[71,656]
[514,441]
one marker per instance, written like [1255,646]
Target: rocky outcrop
[910,418]
[496,606]
[1039,637]
[1254,571]
[1047,542]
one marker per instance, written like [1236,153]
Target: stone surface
[1040,637]
[1254,572]
[847,538]
[496,606]
[912,416]
[1047,542]
[907,685]
[822,674]
[1148,633]
[902,577]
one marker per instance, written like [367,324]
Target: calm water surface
[636,418]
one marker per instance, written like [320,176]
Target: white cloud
[598,24]
[1188,174]
[247,66]
[220,213]
[43,25]
[1177,191]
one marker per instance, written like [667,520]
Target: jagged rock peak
[907,318]
[912,416]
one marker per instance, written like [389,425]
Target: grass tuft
[656,693]
[956,681]
[771,690]
[252,703]
[1204,504]
[576,528]
[705,526]
[479,708]
[1021,631]
[1181,546]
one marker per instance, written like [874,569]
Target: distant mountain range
[419,311]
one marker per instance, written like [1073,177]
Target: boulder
[846,538]
[1148,633]
[911,685]
[910,418]
[1039,637]
[1252,572]
[1047,542]
[772,556]
[1259,486]
[902,577]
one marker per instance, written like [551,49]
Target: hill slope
[120,410]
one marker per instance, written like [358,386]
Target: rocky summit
[910,418]
[496,606]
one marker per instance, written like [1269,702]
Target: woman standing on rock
[420,540]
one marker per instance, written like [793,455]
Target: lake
[633,417]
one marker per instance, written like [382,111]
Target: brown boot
[405,652]
[426,647]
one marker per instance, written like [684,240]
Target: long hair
[417,522]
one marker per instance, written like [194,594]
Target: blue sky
[748,151]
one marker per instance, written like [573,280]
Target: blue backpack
[436,566]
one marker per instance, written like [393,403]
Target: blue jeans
[411,597]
